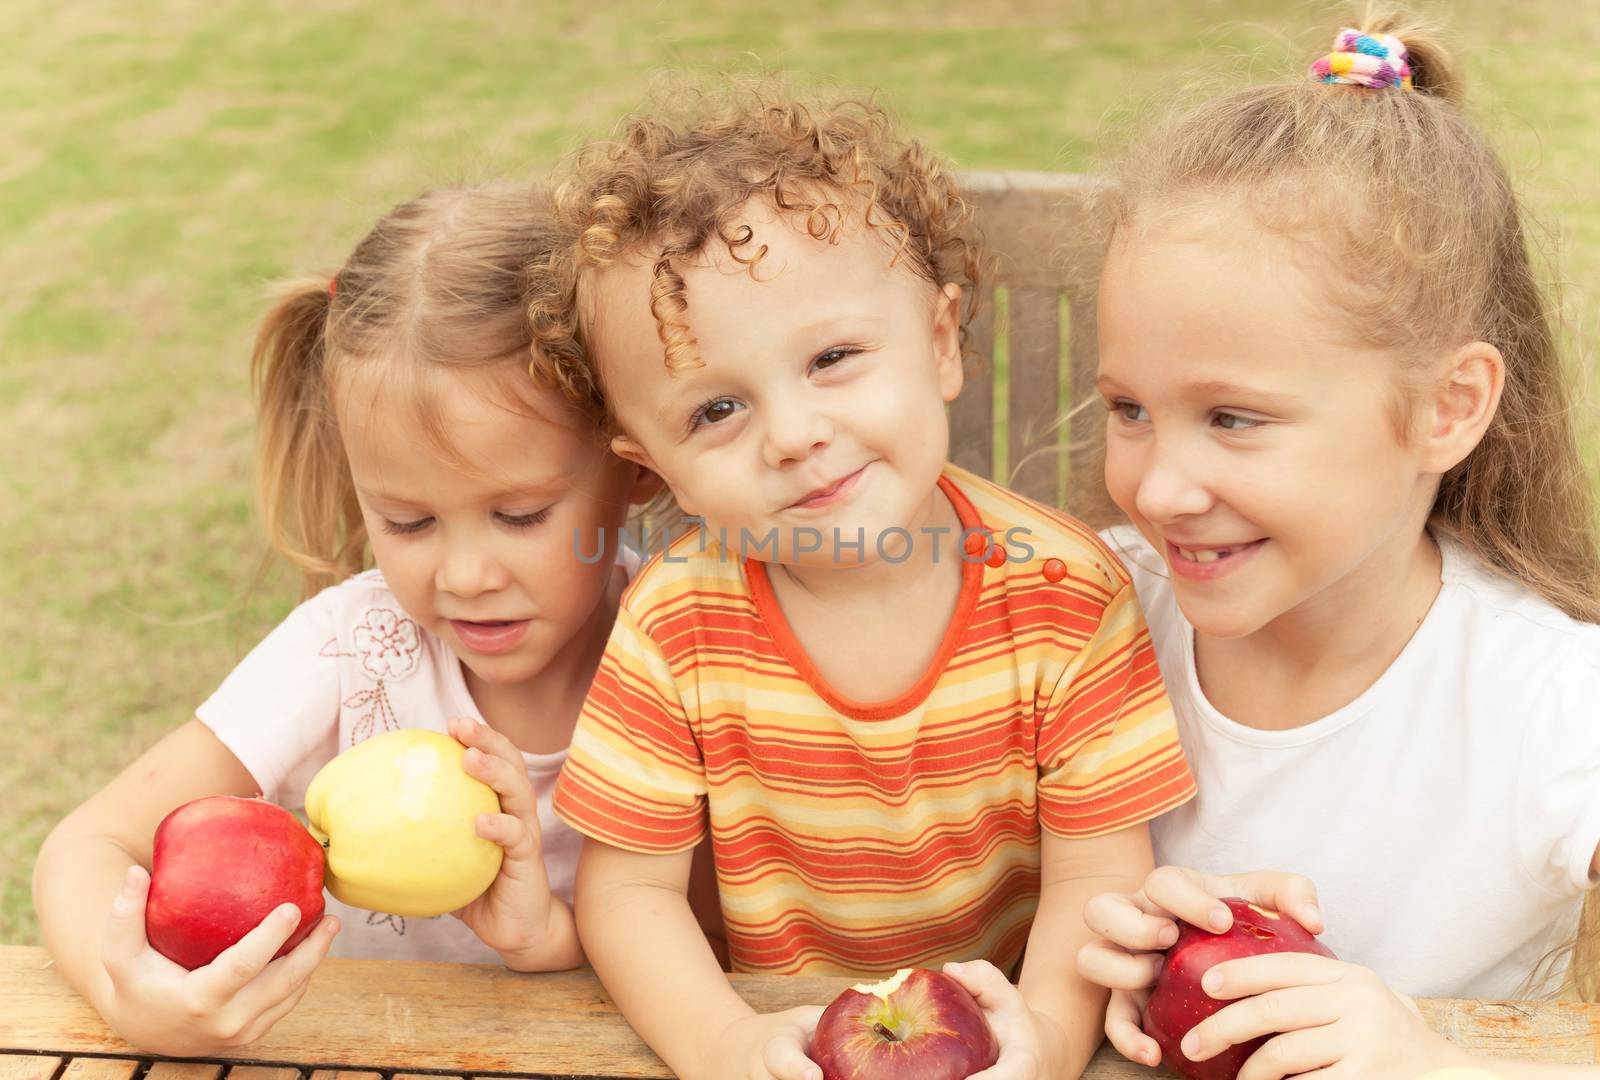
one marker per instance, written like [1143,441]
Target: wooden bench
[1035,331]
[377,1019]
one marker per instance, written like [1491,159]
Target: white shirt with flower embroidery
[346,665]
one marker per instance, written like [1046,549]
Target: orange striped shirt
[854,837]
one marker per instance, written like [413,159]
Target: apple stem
[883,1033]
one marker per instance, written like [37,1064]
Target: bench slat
[28,1066]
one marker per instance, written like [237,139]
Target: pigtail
[1434,69]
[303,489]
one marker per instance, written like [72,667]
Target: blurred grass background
[161,163]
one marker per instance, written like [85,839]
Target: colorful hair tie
[1375,60]
[333,286]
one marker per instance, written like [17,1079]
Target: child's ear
[947,340]
[1461,405]
[628,450]
[646,485]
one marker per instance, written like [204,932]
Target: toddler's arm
[90,900]
[645,944]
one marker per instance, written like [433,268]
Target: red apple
[1178,1002]
[917,1025]
[220,866]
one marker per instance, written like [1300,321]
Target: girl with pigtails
[1341,432]
[398,424]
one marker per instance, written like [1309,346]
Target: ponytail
[305,496]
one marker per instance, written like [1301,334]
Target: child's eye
[524,521]
[713,412]
[406,528]
[1131,411]
[834,355]
[1228,421]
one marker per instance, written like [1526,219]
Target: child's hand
[513,917]
[1029,1043]
[1134,928]
[1333,1015]
[769,1046]
[160,1007]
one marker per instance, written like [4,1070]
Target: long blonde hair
[436,286]
[1426,251]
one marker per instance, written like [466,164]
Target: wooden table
[371,1019]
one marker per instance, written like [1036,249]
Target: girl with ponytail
[1341,432]
[399,426]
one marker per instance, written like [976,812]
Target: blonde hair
[1426,251]
[436,287]
[670,185]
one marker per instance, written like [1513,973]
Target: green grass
[161,163]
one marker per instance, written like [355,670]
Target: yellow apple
[397,814]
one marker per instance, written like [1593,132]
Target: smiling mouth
[824,494]
[1208,556]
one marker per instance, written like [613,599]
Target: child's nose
[1171,487]
[468,569]
[794,432]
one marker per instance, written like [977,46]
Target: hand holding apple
[916,1025]
[221,864]
[1180,1002]
[1302,1013]
[1136,929]
[517,916]
[398,816]
[162,1008]
[766,1046]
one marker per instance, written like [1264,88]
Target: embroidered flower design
[388,644]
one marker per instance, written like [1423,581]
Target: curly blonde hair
[670,184]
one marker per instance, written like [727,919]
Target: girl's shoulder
[1492,600]
[1508,625]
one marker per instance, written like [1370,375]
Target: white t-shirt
[345,665]
[1448,815]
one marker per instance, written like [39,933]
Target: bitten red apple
[1178,1002]
[916,1025]
[221,865]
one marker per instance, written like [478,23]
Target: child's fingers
[509,781]
[1107,964]
[125,939]
[1192,897]
[984,981]
[784,1055]
[1251,975]
[286,978]
[1293,894]
[511,833]
[1117,917]
[1266,1014]
[235,966]
[1126,1034]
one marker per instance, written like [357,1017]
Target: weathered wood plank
[100,1069]
[477,1020]
[1034,382]
[28,1066]
[263,1072]
[185,1070]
